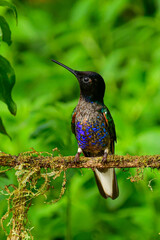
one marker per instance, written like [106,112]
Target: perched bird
[94,128]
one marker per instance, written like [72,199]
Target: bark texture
[47,160]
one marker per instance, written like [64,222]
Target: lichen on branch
[47,160]
[33,166]
[15,221]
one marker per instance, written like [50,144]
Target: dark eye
[86,79]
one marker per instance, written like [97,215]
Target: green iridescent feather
[111,124]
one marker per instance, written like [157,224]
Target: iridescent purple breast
[92,136]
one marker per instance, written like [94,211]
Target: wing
[73,120]
[111,126]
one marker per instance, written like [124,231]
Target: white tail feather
[108,182]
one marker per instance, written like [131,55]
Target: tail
[107,182]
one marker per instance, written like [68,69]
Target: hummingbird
[94,128]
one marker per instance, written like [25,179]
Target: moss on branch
[28,172]
[47,160]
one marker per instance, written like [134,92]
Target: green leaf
[5,3]
[7,81]
[6,32]
[2,128]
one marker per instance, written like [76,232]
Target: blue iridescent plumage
[91,134]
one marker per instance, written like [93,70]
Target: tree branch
[28,166]
[47,160]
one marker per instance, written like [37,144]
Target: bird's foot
[104,159]
[76,159]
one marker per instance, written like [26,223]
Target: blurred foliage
[120,40]
[7,75]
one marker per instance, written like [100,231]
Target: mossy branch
[47,160]
[28,172]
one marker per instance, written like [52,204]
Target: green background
[119,39]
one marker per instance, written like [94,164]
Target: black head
[92,85]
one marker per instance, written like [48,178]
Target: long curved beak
[62,65]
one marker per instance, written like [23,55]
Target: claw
[104,160]
[76,159]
